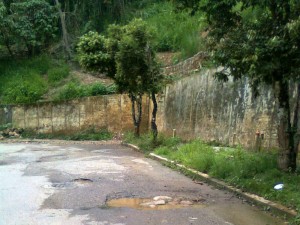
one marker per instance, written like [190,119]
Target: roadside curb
[255,199]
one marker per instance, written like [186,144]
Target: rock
[155,203]
[160,202]
[165,198]
[1,137]
[186,203]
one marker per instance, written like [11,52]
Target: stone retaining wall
[112,112]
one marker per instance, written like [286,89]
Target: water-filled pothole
[157,203]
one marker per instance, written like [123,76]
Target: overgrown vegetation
[91,134]
[27,80]
[175,31]
[74,90]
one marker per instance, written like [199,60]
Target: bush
[19,91]
[23,80]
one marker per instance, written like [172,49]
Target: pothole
[83,181]
[157,203]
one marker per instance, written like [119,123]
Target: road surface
[108,184]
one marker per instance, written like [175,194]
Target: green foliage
[253,172]
[147,144]
[6,28]
[24,91]
[5,126]
[196,155]
[137,69]
[57,74]
[244,41]
[24,80]
[74,90]
[35,23]
[93,54]
[91,134]
[174,31]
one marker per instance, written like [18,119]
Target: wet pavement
[108,184]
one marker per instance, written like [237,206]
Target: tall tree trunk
[153,120]
[136,110]
[286,134]
[64,30]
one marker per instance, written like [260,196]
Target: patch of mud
[157,203]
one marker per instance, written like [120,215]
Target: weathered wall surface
[112,112]
[198,106]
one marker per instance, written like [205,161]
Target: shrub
[19,91]
[74,90]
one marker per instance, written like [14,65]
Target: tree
[35,23]
[126,56]
[6,28]
[260,40]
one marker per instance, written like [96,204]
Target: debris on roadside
[11,133]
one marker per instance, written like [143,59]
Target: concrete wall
[198,106]
[112,112]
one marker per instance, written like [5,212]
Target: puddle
[150,204]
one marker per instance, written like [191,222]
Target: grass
[254,172]
[146,143]
[27,80]
[91,134]
[173,30]
[74,89]
[251,171]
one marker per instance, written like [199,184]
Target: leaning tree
[260,40]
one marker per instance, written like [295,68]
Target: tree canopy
[32,23]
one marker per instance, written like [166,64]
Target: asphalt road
[108,184]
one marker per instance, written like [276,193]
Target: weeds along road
[107,184]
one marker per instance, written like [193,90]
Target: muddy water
[141,204]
